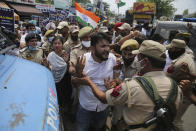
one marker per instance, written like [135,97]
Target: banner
[23,1]
[62,15]
[7,18]
[53,16]
[45,8]
[45,2]
[45,22]
[62,4]
[144,7]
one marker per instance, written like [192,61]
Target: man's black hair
[96,37]
[29,25]
[140,39]
[157,37]
[58,38]
[30,36]
[172,34]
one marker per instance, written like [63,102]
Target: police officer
[129,70]
[83,47]
[178,55]
[32,52]
[47,45]
[138,105]
[73,40]
[63,29]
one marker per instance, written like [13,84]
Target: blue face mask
[31,48]
[32,31]
[50,39]
[39,44]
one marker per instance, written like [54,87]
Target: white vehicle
[164,27]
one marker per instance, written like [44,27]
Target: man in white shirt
[98,66]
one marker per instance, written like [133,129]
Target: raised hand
[65,56]
[80,65]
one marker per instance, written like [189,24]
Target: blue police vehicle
[27,93]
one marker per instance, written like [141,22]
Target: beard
[175,54]
[100,55]
[127,62]
[74,38]
[123,34]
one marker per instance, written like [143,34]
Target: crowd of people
[116,69]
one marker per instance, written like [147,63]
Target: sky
[181,5]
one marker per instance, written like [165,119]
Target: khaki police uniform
[35,56]
[127,72]
[79,50]
[138,105]
[131,70]
[69,44]
[174,72]
[76,52]
[47,46]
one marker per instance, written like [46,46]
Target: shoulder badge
[29,56]
[116,91]
[22,50]
[170,69]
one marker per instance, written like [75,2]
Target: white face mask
[138,65]
[86,43]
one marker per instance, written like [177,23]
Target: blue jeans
[85,119]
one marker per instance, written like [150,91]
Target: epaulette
[77,46]
[39,48]
[23,49]
[128,79]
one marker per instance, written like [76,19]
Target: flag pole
[118,10]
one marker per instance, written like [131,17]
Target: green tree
[83,1]
[107,10]
[106,6]
[193,15]
[163,7]
[185,12]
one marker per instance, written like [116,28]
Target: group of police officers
[136,58]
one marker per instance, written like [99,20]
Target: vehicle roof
[24,92]
[163,27]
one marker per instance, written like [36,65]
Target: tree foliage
[193,15]
[185,12]
[163,7]
[83,1]
[107,9]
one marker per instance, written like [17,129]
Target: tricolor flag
[117,1]
[86,17]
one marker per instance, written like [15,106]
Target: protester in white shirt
[98,66]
